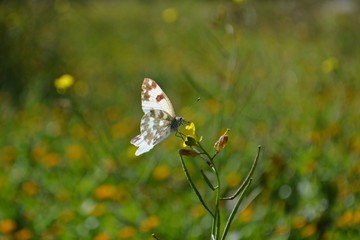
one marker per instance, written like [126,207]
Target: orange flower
[161,172]
[105,191]
[309,230]
[23,234]
[102,236]
[30,188]
[7,226]
[110,192]
[299,222]
[233,179]
[150,223]
[246,215]
[8,154]
[127,233]
[198,211]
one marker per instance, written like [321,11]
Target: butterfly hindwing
[155,126]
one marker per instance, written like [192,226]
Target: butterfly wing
[155,126]
[154,98]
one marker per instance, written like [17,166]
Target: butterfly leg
[180,135]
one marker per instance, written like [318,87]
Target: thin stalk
[194,187]
[241,190]
[235,209]
[216,220]
[207,181]
[215,229]
[154,236]
[251,172]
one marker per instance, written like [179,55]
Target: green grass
[281,76]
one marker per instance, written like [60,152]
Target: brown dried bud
[188,152]
[220,144]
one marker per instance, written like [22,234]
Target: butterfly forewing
[154,98]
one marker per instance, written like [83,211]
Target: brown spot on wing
[153,84]
[146,96]
[147,86]
[159,97]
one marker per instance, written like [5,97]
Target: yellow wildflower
[213,106]
[330,65]
[190,133]
[233,179]
[75,152]
[190,129]
[50,159]
[63,83]
[170,15]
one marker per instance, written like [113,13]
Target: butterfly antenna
[187,110]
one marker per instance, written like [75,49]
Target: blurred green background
[281,74]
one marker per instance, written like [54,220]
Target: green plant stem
[241,190]
[215,230]
[208,181]
[251,172]
[154,236]
[235,210]
[216,221]
[194,187]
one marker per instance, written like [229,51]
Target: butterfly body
[159,119]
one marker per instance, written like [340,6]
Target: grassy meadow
[280,74]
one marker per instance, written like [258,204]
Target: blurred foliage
[283,74]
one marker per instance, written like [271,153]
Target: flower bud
[190,141]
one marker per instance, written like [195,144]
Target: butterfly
[159,119]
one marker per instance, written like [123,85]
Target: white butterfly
[159,120]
